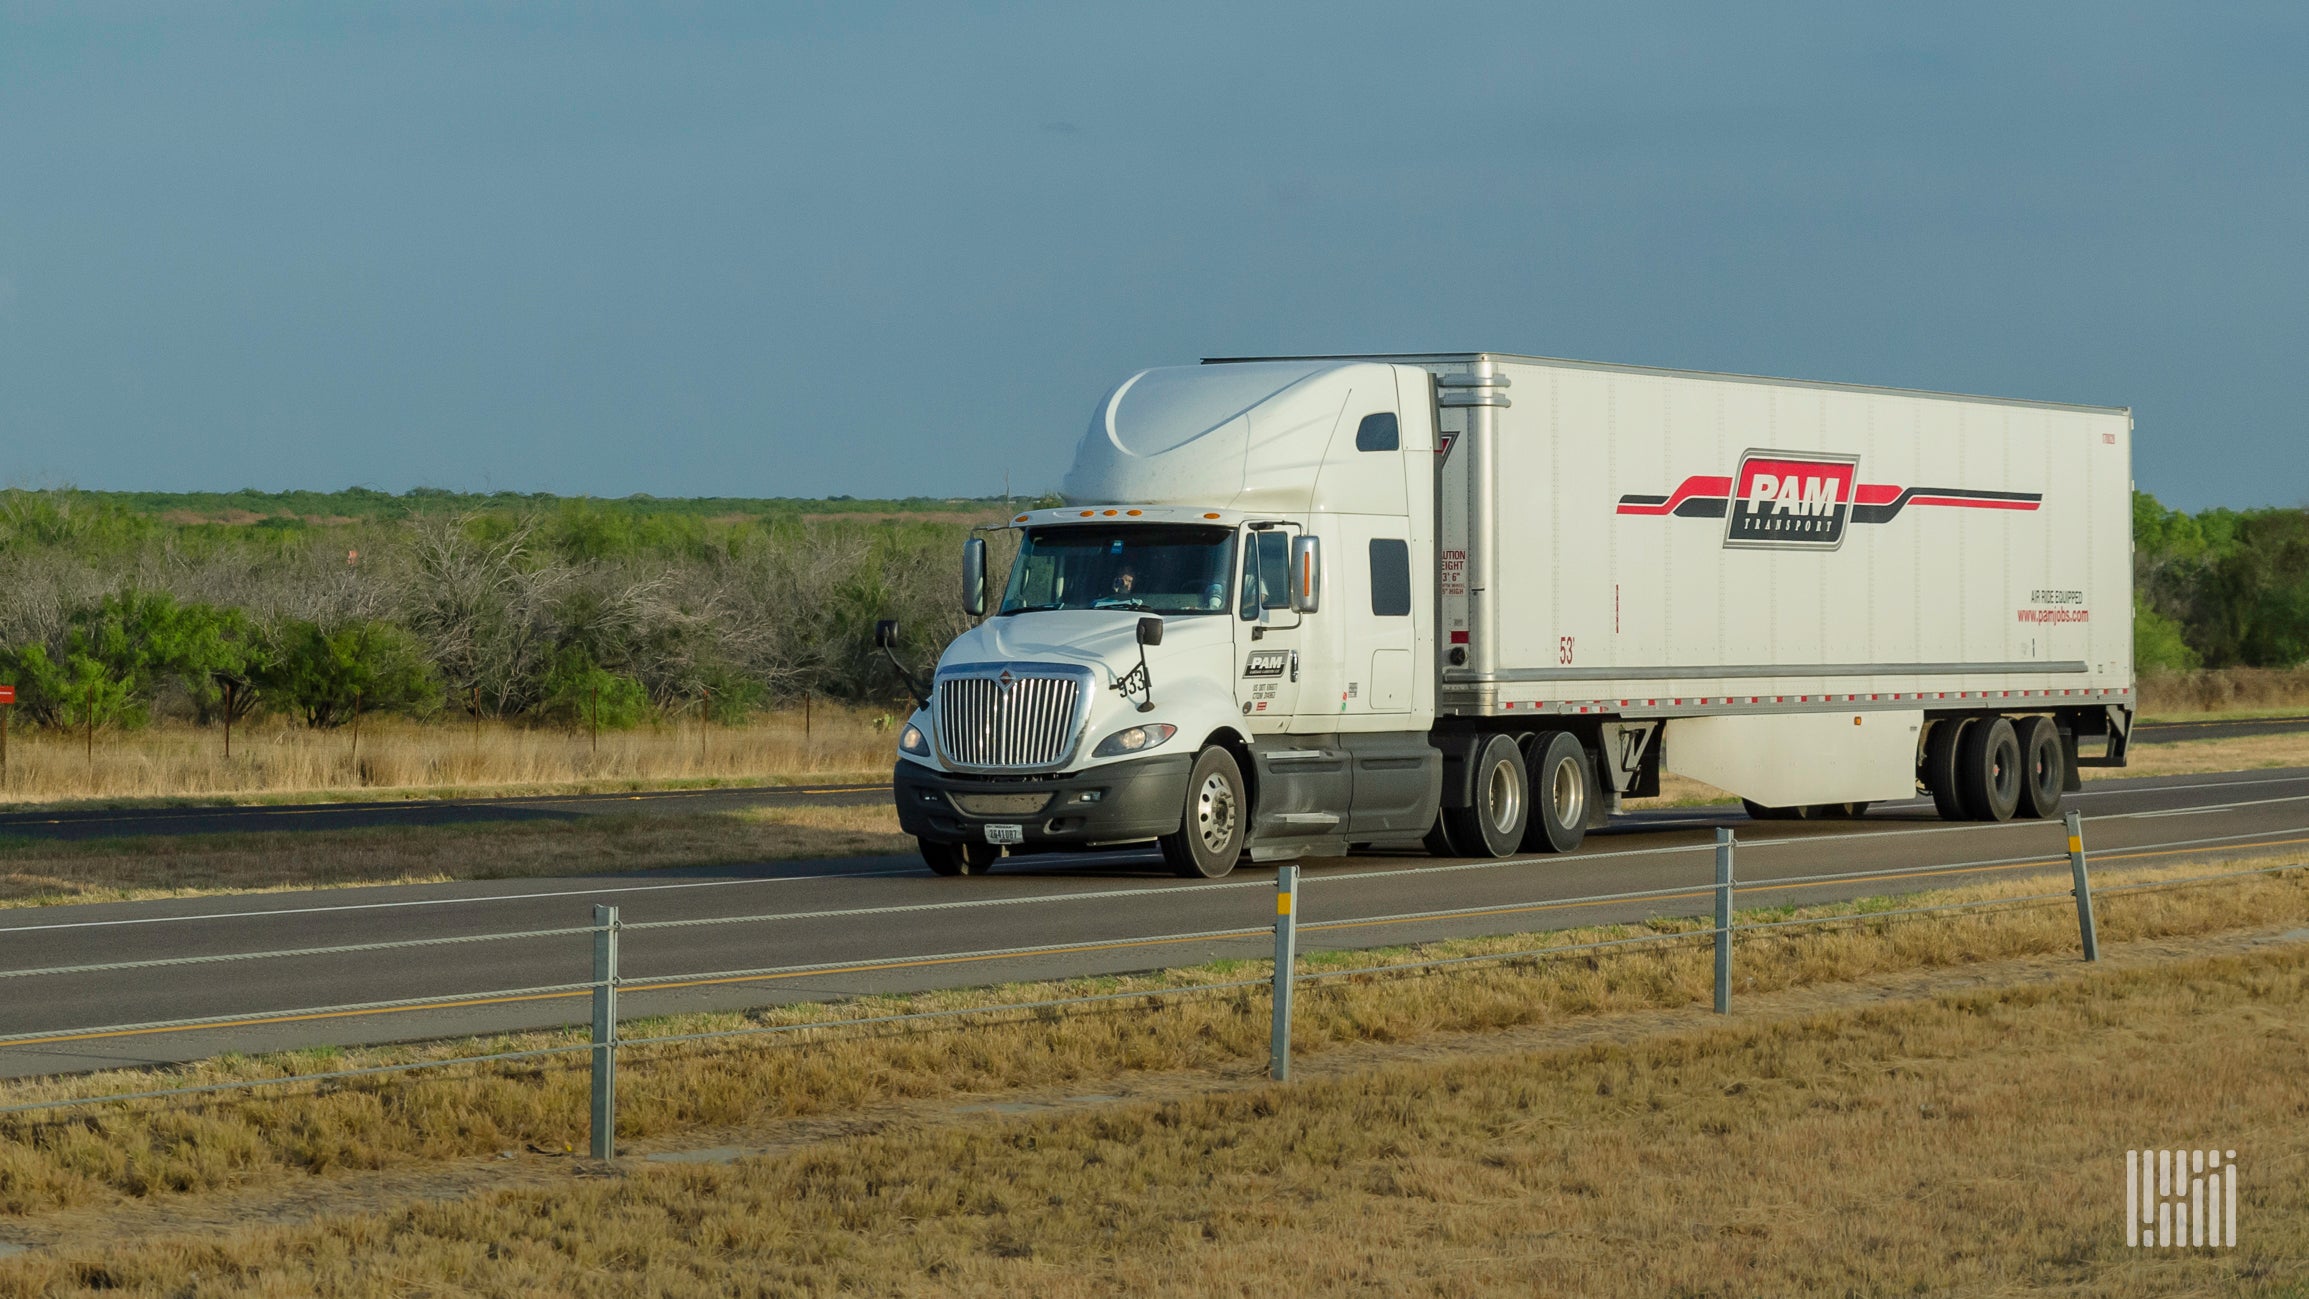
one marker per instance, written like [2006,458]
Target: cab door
[1268,633]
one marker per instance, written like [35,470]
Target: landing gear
[1805,812]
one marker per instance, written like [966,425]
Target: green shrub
[326,675]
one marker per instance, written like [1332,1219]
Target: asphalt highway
[114,823]
[1109,913]
[228,819]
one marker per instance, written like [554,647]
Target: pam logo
[1791,499]
[1267,663]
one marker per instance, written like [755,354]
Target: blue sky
[877,250]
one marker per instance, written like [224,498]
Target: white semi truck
[1298,605]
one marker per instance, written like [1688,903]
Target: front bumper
[1122,802]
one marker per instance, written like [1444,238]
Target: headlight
[1137,739]
[912,740]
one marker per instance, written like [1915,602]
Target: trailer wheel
[1988,770]
[2043,768]
[1562,790]
[959,858]
[1492,825]
[1940,766]
[1216,818]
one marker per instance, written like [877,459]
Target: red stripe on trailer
[1972,503]
[1696,485]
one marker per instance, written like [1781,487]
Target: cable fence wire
[871,966]
[912,908]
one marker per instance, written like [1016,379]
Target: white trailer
[1474,600]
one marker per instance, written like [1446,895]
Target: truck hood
[1105,640]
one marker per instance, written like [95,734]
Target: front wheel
[1216,818]
[959,858]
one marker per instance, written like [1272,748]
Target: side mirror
[885,633]
[1306,574]
[974,577]
[1150,631]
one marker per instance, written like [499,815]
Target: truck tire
[1217,816]
[1492,825]
[1988,770]
[1438,840]
[1562,791]
[2043,768]
[1939,773]
[959,858]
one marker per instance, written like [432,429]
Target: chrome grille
[1008,720]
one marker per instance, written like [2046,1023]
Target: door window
[1267,572]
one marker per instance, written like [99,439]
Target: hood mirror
[1138,680]
[974,577]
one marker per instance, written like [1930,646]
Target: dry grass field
[391,758]
[42,872]
[1965,1145]
[1952,1140]
[2217,693]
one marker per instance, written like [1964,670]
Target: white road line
[2202,784]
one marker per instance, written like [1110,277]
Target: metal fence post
[2084,887]
[1724,845]
[1286,957]
[605,1033]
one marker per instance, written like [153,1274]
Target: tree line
[2219,589]
[119,611]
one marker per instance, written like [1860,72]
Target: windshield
[1154,567]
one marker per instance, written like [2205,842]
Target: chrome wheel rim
[1567,794]
[1502,796]
[1215,812]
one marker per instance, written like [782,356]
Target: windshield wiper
[1031,608]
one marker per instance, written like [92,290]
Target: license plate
[1006,834]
